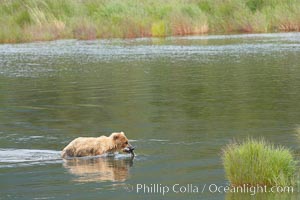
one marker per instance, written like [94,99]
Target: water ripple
[28,157]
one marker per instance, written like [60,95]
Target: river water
[179,100]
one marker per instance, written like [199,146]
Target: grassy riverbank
[31,20]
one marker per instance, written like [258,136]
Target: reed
[30,20]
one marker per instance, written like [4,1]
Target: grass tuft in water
[257,162]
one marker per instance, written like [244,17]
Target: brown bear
[93,146]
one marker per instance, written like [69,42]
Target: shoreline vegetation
[35,20]
[257,162]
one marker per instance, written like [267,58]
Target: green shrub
[158,29]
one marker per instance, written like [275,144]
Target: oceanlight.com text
[204,188]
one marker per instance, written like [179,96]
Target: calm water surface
[179,101]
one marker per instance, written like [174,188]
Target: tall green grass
[29,20]
[256,162]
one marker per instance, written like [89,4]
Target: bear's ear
[122,133]
[115,137]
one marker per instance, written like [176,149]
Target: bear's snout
[129,149]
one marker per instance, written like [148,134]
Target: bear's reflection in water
[99,169]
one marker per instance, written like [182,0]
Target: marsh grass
[29,20]
[257,162]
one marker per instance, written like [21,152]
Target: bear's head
[121,142]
